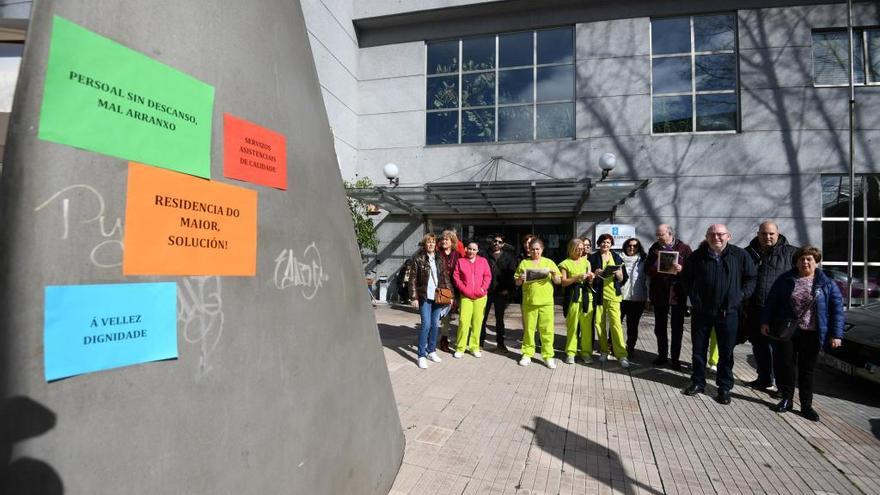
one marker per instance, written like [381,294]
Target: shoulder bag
[782,329]
[442,295]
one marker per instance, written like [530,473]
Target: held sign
[176,224]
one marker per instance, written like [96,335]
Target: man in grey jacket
[771,253]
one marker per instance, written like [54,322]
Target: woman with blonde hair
[536,276]
[428,274]
[449,254]
[577,302]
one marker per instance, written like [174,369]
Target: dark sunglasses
[496,241]
[632,245]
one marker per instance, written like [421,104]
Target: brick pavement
[487,425]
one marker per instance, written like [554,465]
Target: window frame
[865,56]
[693,93]
[861,222]
[497,105]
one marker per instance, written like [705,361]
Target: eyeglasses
[498,241]
[718,234]
[634,246]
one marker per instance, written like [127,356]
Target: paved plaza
[490,426]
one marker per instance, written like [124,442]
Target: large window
[509,87]
[694,74]
[831,63]
[835,218]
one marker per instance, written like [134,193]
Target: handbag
[782,329]
[443,295]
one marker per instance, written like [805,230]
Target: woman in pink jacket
[472,276]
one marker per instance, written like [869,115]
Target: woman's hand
[557,278]
[765,330]
[835,343]
[597,272]
[618,274]
[588,276]
[415,303]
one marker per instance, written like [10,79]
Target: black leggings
[631,311]
[801,351]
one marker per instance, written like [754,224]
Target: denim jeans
[430,313]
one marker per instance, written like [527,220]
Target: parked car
[860,354]
[858,289]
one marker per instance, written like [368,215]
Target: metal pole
[864,182]
[852,172]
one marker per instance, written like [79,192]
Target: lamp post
[392,174]
[607,162]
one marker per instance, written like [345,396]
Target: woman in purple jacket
[472,277]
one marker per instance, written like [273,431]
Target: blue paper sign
[97,327]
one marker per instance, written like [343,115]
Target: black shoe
[676,366]
[759,385]
[810,413]
[784,405]
[660,361]
[723,397]
[693,389]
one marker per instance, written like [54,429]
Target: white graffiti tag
[200,311]
[107,253]
[308,274]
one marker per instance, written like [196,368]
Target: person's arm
[413,283]
[749,276]
[771,304]
[651,261]
[836,318]
[555,276]
[458,278]
[487,277]
[519,276]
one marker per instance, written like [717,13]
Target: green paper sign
[104,97]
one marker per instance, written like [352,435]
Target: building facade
[732,111]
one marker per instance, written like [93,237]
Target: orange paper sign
[254,154]
[176,224]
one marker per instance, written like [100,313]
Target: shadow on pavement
[564,445]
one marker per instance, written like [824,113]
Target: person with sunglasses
[502,265]
[634,291]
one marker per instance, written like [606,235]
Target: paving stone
[476,426]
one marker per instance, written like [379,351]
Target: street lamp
[392,174]
[607,162]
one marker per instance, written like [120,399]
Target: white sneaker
[525,361]
[478,354]
[434,357]
[458,355]
[603,358]
[624,363]
[551,363]
[569,360]
[423,363]
[713,368]
[588,359]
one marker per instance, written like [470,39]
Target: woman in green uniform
[607,286]
[537,275]
[577,302]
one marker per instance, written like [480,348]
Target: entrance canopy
[502,199]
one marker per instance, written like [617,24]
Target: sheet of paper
[176,224]
[101,96]
[254,154]
[97,327]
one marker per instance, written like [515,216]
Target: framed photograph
[534,274]
[665,261]
[609,270]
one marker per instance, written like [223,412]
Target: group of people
[770,293]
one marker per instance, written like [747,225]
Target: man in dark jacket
[718,277]
[503,266]
[666,296]
[771,253]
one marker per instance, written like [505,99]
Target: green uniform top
[609,293]
[537,292]
[574,268]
